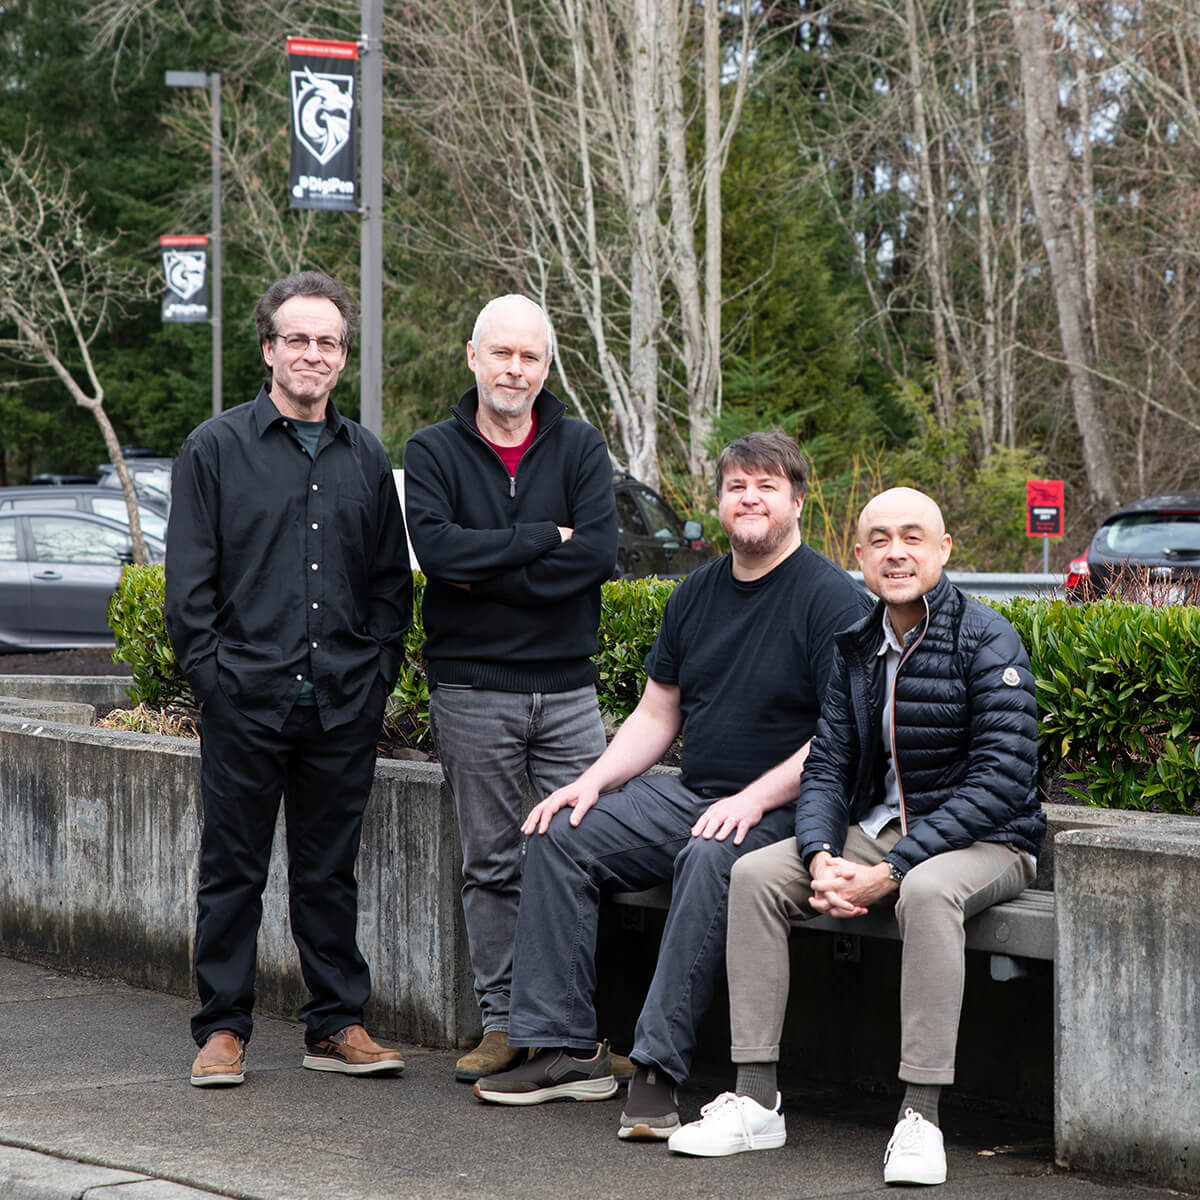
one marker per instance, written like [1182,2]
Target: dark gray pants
[495,747]
[631,839]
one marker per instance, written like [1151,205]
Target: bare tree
[564,126]
[1052,188]
[59,287]
[597,207]
[920,151]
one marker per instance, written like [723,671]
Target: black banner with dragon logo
[185,269]
[323,170]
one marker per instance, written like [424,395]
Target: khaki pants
[770,888]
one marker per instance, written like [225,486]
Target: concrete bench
[1020,929]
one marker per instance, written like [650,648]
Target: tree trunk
[645,303]
[1050,187]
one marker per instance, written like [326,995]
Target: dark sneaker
[490,1057]
[220,1062]
[651,1108]
[551,1075]
[351,1051]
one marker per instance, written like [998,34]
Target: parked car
[1146,550]
[106,502]
[58,478]
[58,569]
[151,473]
[651,538]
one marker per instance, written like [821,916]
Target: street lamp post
[198,79]
[371,247]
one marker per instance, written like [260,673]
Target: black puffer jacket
[965,724]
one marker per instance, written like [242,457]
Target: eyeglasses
[326,346]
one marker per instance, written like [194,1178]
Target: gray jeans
[771,887]
[630,839]
[495,747]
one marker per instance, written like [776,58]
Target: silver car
[58,569]
[107,502]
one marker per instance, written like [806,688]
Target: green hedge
[135,613]
[631,612]
[1118,699]
[1118,684]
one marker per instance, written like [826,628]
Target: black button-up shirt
[282,567]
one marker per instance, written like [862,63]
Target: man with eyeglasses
[288,592]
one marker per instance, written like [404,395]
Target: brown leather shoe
[220,1061]
[490,1057]
[351,1051]
[623,1068]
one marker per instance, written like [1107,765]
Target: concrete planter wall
[98,838]
[98,873]
[1127,1037]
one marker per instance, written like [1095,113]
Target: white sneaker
[729,1125]
[916,1153]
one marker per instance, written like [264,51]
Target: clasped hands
[841,888]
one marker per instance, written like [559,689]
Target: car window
[155,481]
[1150,535]
[629,517]
[8,539]
[114,509]
[61,539]
[48,501]
[664,523]
[158,479]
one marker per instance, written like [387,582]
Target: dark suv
[1147,550]
[651,539]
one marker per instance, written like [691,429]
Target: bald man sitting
[918,792]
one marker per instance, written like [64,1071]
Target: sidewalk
[95,1103]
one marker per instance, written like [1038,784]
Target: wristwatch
[896,874]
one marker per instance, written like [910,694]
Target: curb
[31,1175]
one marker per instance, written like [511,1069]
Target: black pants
[325,779]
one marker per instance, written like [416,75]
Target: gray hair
[485,314]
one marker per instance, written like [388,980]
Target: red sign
[1044,508]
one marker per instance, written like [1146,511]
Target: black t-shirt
[751,660]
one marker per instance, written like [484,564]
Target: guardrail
[998,585]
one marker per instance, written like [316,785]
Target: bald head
[509,352]
[903,504]
[902,547]
[514,309]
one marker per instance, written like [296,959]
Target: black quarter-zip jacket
[965,734]
[527,619]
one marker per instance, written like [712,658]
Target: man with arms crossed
[512,516]
[919,790]
[739,665]
[288,593]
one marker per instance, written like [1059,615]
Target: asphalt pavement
[95,1103]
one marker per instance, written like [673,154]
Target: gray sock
[923,1099]
[757,1080]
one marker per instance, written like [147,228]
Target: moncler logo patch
[1011,677]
